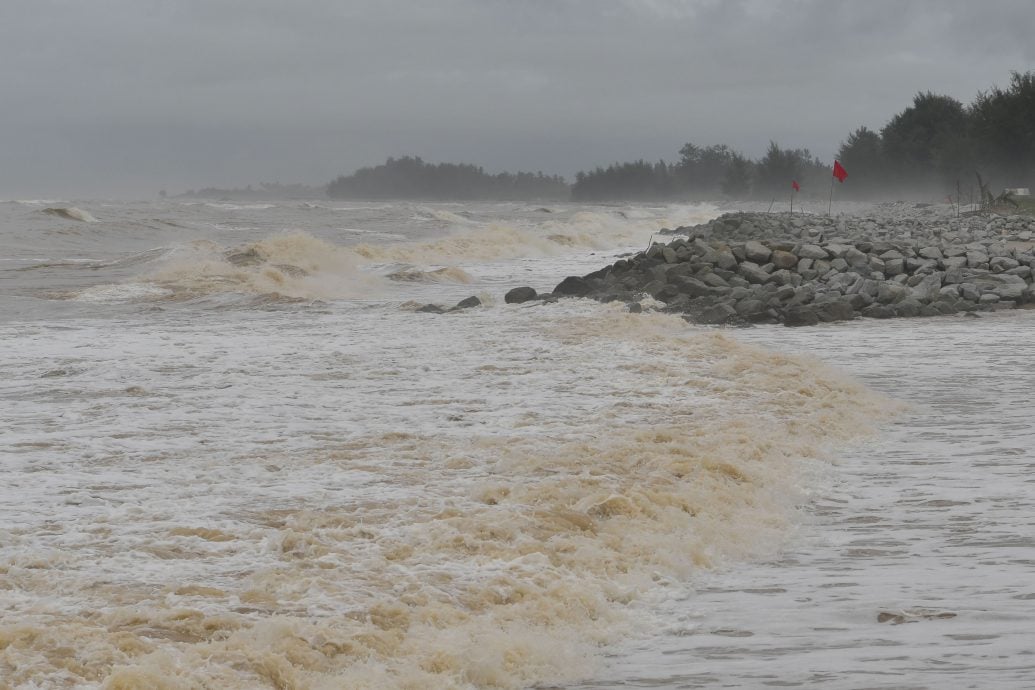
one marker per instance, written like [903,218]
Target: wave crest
[295,265]
[69,213]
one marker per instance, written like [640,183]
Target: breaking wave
[69,213]
[495,558]
[295,265]
[496,240]
[448,274]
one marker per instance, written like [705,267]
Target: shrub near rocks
[802,270]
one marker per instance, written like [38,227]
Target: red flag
[839,172]
[794,186]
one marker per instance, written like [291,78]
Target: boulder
[1004,286]
[519,295]
[835,310]
[574,286]
[800,316]
[724,259]
[927,289]
[431,309]
[753,273]
[783,259]
[717,314]
[756,252]
[894,267]
[811,251]
[890,293]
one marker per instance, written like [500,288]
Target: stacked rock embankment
[802,270]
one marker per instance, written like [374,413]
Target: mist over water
[234,456]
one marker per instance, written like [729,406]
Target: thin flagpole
[831,201]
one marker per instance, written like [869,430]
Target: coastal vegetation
[411,178]
[931,148]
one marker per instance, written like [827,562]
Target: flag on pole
[794,186]
[839,172]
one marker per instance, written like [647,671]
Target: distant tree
[926,144]
[775,171]
[862,153]
[412,178]
[1002,126]
[736,181]
[700,171]
[639,181]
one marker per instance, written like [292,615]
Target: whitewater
[235,455]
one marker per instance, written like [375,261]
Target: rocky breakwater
[903,261]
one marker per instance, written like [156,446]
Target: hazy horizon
[154,95]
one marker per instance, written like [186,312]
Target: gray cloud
[126,97]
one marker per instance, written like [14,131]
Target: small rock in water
[519,295]
[468,303]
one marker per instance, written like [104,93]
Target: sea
[235,453]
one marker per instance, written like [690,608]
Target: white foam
[362,497]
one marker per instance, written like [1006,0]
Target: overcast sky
[126,97]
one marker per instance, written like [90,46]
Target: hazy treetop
[131,96]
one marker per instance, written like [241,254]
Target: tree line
[411,178]
[936,146]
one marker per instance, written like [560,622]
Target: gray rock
[467,303]
[928,288]
[856,259]
[894,267]
[837,251]
[890,292]
[519,295]
[811,251]
[800,316]
[784,259]
[692,287]
[836,310]
[753,273]
[717,314]
[574,286]
[750,307]
[907,307]
[785,277]
[724,259]
[970,292]
[756,252]
[879,311]
[977,259]
[1005,286]
[431,309]
[713,279]
[1000,264]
